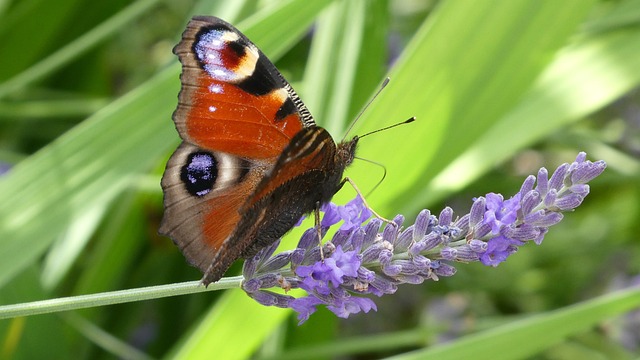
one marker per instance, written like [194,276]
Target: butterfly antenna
[409,120]
[382,86]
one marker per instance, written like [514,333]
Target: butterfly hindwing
[203,192]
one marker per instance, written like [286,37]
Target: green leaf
[233,329]
[533,334]
[585,76]
[70,51]
[53,188]
[468,66]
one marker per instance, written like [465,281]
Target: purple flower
[498,249]
[331,215]
[363,259]
[323,275]
[344,263]
[305,306]
[354,213]
[351,305]
[322,280]
[501,213]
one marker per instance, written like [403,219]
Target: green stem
[114,297]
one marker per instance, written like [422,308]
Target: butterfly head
[346,151]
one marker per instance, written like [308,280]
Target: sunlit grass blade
[346,62]
[585,76]
[468,66]
[88,165]
[533,334]
[70,245]
[322,61]
[50,109]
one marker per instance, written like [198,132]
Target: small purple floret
[354,213]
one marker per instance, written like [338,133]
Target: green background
[499,89]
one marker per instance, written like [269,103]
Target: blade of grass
[88,165]
[461,73]
[27,37]
[586,76]
[74,49]
[104,339]
[321,61]
[533,334]
[70,244]
[50,109]
[346,62]
[235,313]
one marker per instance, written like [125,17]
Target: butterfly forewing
[233,99]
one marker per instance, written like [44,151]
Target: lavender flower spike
[362,259]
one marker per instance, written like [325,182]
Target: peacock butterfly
[252,160]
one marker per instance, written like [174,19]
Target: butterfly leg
[316,213]
[353,184]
